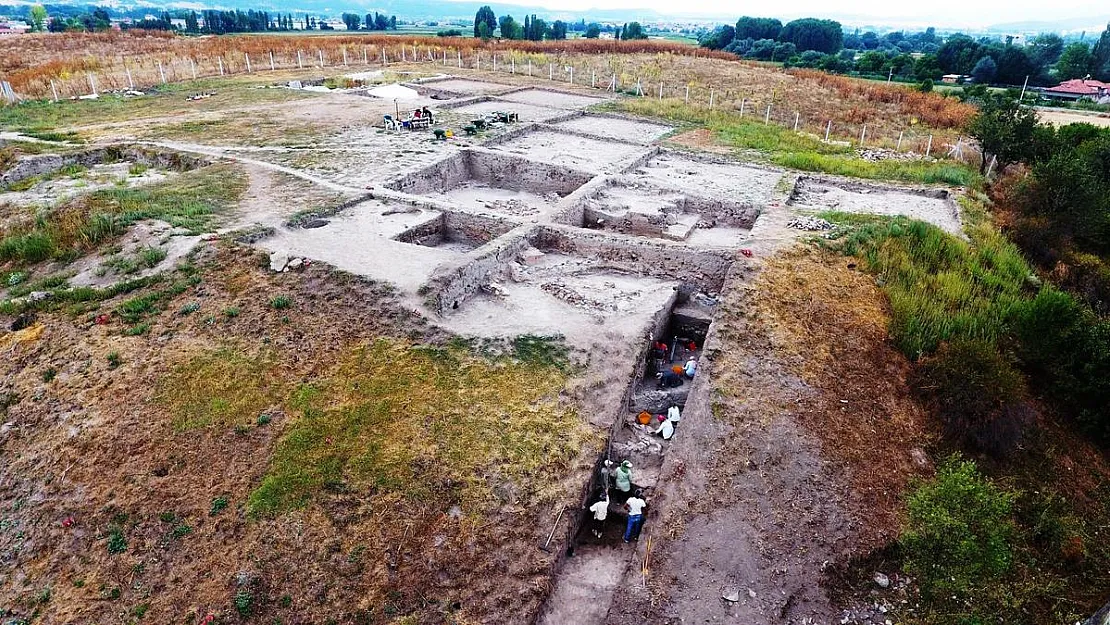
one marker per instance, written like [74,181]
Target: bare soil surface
[616,128]
[873,200]
[580,153]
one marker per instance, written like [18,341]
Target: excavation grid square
[567,150]
[557,99]
[735,183]
[466,86]
[932,206]
[526,112]
[615,128]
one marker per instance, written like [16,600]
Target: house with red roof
[1079,89]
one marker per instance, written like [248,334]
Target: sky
[955,12]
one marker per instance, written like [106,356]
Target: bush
[957,538]
[977,393]
[281,302]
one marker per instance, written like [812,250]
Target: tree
[927,68]
[985,70]
[38,17]
[959,54]
[1074,61]
[483,31]
[558,30]
[719,38]
[509,28]
[485,16]
[1005,129]
[633,30]
[351,21]
[814,34]
[192,25]
[593,31]
[392,22]
[871,62]
[1100,56]
[1045,49]
[755,28]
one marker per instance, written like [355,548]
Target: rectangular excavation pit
[567,150]
[711,178]
[703,268]
[613,127]
[500,183]
[462,86]
[455,232]
[935,206]
[360,240]
[633,207]
[525,112]
[555,99]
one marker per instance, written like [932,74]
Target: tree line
[919,56]
[487,25]
[375,21]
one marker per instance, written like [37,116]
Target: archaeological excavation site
[493,347]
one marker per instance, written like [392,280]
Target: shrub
[117,542]
[219,504]
[281,302]
[957,537]
[243,603]
[977,393]
[114,360]
[151,256]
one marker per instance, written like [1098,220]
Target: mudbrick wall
[48,163]
[496,170]
[652,257]
[472,229]
[451,285]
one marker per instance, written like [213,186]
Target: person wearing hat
[635,507]
[666,428]
[600,510]
[623,477]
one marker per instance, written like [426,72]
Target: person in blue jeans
[635,507]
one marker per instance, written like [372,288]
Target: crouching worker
[665,429]
[635,507]
[668,379]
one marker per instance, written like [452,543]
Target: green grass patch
[786,148]
[940,287]
[221,388]
[191,201]
[423,424]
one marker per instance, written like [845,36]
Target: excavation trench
[590,568]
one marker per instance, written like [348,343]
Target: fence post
[55,90]
[711,94]
[828,129]
[687,95]
[743,104]
[248,58]
[797,116]
[458,53]
[220,60]
[193,67]
[162,73]
[478,61]
[529,68]
[130,83]
[344,57]
[593,78]
[300,65]
[863,135]
[929,148]
[899,147]
[550,71]
[320,52]
[990,167]
[767,117]
[271,60]
[92,82]
[495,62]
[660,89]
[572,74]
[383,57]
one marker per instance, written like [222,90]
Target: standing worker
[600,509]
[635,506]
[623,477]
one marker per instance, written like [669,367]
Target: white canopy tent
[394,92]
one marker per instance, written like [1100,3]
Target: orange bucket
[644,417]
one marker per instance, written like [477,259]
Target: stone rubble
[811,224]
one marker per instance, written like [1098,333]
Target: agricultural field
[272,359]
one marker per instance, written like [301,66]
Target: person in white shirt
[691,368]
[600,509]
[665,429]
[673,414]
[635,506]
